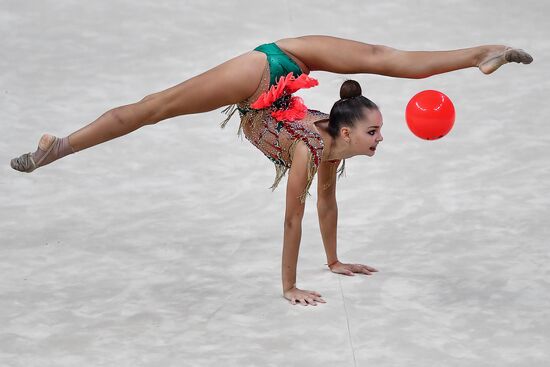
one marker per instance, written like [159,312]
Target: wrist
[289,287]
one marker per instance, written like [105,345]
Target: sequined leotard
[277,139]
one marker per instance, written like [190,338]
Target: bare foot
[500,55]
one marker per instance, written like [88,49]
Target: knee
[382,49]
[136,114]
[382,54]
[117,115]
[148,97]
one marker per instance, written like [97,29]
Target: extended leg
[344,56]
[228,83]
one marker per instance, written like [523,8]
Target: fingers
[359,268]
[354,268]
[313,292]
[311,299]
[315,296]
[350,269]
[344,271]
[364,269]
[304,301]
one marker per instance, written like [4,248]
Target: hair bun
[349,89]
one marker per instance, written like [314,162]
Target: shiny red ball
[430,114]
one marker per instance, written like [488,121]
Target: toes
[526,58]
[23,163]
[15,164]
[512,56]
[518,55]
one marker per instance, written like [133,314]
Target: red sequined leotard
[277,137]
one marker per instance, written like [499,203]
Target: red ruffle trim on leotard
[293,107]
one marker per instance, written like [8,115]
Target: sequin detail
[277,139]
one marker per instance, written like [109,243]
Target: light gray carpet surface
[163,247]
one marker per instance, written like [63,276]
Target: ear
[345,133]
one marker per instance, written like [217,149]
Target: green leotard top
[279,62]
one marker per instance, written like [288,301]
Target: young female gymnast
[278,124]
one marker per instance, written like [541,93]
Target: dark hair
[349,108]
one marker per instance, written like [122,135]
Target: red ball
[430,114]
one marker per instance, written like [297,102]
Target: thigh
[337,55]
[228,83]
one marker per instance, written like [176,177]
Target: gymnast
[260,84]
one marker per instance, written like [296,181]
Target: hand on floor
[303,296]
[349,269]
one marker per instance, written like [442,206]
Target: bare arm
[327,208]
[297,183]
[294,213]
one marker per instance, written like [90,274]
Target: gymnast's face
[366,134]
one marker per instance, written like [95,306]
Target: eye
[372,132]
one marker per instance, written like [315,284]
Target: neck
[333,148]
[337,149]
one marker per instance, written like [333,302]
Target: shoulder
[306,133]
[302,172]
[300,153]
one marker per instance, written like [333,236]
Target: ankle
[50,149]
[489,52]
[482,54]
